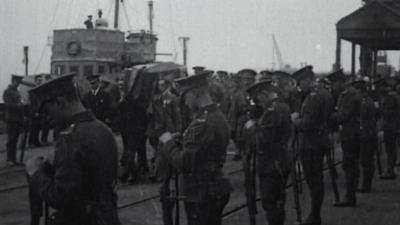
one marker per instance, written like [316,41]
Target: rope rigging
[50,29]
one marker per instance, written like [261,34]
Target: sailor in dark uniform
[98,100]
[89,23]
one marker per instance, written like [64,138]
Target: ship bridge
[100,51]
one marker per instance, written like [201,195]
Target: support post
[374,62]
[184,42]
[338,53]
[353,59]
[151,17]
[26,59]
[116,14]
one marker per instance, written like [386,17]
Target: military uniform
[390,110]
[80,184]
[272,135]
[164,116]
[201,154]
[99,102]
[237,117]
[85,171]
[348,116]
[133,122]
[314,143]
[200,163]
[368,140]
[14,116]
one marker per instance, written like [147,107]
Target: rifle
[26,126]
[296,192]
[177,209]
[332,169]
[249,166]
[378,155]
[35,203]
[46,214]
[167,203]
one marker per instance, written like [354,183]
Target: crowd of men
[276,120]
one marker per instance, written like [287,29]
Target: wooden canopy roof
[375,25]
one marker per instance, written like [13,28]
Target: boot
[345,203]
[311,220]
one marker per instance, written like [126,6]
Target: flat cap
[324,80]
[16,77]
[222,73]
[198,68]
[195,81]
[93,77]
[246,72]
[56,87]
[337,76]
[359,80]
[281,75]
[262,85]
[303,73]
[380,82]
[265,75]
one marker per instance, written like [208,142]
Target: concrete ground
[140,204]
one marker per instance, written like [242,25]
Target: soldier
[97,100]
[14,116]
[287,90]
[202,155]
[133,124]
[348,116]
[80,183]
[238,113]
[368,138]
[272,131]
[311,125]
[36,120]
[390,110]
[198,69]
[337,80]
[89,23]
[164,112]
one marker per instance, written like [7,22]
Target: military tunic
[313,140]
[272,134]
[14,116]
[200,162]
[368,140]
[390,110]
[348,116]
[85,171]
[238,115]
[164,116]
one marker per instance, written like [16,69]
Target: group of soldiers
[280,123]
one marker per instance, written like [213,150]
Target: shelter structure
[375,26]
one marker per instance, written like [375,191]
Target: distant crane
[276,54]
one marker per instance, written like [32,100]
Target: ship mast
[116,13]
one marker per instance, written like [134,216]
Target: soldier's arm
[61,190]
[311,115]
[196,138]
[285,126]
[12,101]
[389,105]
[176,112]
[347,106]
